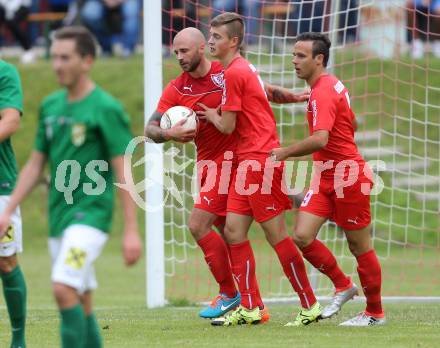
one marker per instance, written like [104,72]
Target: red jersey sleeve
[232,91]
[168,99]
[323,111]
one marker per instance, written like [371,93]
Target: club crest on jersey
[78,134]
[217,79]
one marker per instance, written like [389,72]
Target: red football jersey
[255,125]
[329,109]
[187,91]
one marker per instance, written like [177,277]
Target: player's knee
[65,295]
[58,290]
[229,234]
[197,229]
[357,248]
[301,240]
[86,301]
[7,264]
[354,250]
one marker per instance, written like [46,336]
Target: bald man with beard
[201,82]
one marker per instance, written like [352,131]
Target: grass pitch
[125,321]
[409,325]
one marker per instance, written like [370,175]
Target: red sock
[370,276]
[295,270]
[258,295]
[257,288]
[243,268]
[216,256]
[323,260]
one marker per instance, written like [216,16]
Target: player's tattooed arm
[153,130]
[176,133]
[281,95]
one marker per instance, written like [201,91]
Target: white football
[177,113]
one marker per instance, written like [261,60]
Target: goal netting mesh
[385,53]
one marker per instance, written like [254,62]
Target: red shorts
[348,207]
[258,192]
[214,180]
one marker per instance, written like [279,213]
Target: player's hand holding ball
[179,124]
[278,154]
[208,114]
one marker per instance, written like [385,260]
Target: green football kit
[79,139]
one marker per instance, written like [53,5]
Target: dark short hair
[233,22]
[84,40]
[321,44]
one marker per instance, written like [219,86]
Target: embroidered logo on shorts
[208,201]
[353,221]
[272,208]
[78,134]
[9,235]
[75,258]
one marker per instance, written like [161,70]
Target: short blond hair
[234,25]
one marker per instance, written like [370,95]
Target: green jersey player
[83,133]
[14,287]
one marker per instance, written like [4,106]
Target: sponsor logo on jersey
[78,134]
[217,79]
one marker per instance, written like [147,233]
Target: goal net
[385,53]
